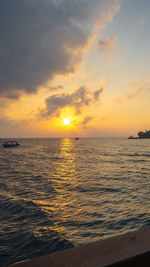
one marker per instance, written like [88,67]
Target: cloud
[55,88]
[106,45]
[86,120]
[4,121]
[136,89]
[82,97]
[43,38]
[97,94]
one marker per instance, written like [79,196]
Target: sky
[74,68]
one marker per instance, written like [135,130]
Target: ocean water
[59,193]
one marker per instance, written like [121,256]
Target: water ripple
[57,193]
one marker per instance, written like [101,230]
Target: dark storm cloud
[79,99]
[42,38]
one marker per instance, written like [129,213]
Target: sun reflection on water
[63,204]
[65,175]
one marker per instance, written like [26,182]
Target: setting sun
[66,121]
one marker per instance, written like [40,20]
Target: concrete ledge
[131,249]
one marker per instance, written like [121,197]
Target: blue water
[59,193]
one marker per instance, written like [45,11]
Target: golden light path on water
[64,179]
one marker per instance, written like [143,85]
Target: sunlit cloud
[109,9]
[79,99]
[42,39]
[135,90]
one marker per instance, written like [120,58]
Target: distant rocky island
[141,135]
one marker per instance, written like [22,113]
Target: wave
[26,232]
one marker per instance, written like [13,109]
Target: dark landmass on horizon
[141,135]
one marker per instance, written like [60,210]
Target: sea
[59,193]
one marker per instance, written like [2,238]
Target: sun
[66,121]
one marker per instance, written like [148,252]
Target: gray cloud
[4,121]
[79,99]
[97,94]
[106,45]
[86,120]
[42,38]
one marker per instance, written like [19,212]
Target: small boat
[10,144]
